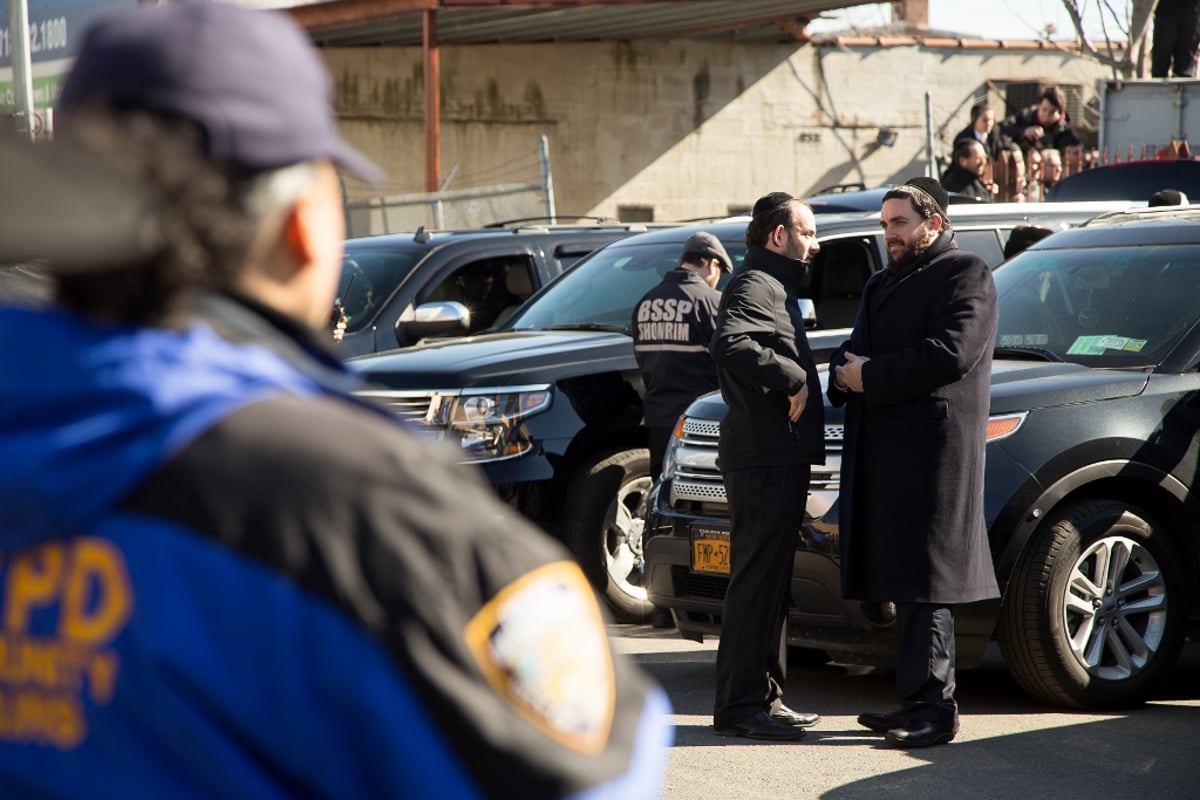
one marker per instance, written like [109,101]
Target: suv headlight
[487,422]
[669,455]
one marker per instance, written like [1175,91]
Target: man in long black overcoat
[914,377]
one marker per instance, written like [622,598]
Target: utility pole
[18,37]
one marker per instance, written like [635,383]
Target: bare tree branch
[1135,23]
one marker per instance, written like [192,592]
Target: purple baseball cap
[251,79]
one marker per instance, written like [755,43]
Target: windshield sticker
[1097,345]
[1023,340]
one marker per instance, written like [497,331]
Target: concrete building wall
[687,129]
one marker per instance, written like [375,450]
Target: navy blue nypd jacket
[223,576]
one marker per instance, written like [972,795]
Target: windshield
[602,291]
[1101,307]
[369,277]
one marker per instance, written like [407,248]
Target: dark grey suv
[397,289]
[1091,492]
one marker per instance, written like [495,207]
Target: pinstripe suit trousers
[766,509]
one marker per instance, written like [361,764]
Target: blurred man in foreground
[224,576]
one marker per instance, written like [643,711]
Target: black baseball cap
[251,79]
[705,245]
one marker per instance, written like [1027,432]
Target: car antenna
[422,236]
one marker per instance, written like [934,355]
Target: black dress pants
[766,509]
[1175,42]
[925,662]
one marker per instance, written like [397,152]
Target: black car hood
[497,358]
[1029,385]
[1016,386]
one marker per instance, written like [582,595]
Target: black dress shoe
[919,733]
[882,723]
[761,726]
[796,719]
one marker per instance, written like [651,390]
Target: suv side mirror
[808,310]
[442,318]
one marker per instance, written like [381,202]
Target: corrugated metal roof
[400,22]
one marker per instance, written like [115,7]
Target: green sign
[45,91]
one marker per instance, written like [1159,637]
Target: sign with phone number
[55,27]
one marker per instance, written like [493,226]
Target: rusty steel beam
[342,12]
[433,101]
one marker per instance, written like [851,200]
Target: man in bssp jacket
[672,326]
[771,436]
[914,378]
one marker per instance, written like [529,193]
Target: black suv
[550,404]
[1131,180]
[397,289]
[1091,492]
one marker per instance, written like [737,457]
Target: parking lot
[1008,747]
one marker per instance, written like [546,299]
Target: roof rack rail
[547,220]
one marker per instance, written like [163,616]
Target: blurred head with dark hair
[1021,237]
[240,170]
[970,155]
[1168,197]
[983,119]
[1051,107]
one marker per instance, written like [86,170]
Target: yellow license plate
[710,551]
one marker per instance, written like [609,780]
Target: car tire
[1071,640]
[604,530]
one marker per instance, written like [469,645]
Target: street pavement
[1008,748]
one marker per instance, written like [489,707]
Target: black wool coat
[960,181]
[1060,135]
[911,505]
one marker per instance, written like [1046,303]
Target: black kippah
[768,203]
[932,188]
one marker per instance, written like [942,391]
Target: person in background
[672,327]
[1052,169]
[1176,39]
[966,174]
[1042,125]
[337,323]
[1021,237]
[914,378]
[239,579]
[772,434]
[982,129]
[1168,197]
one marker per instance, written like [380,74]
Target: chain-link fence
[458,208]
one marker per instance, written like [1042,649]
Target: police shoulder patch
[542,644]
